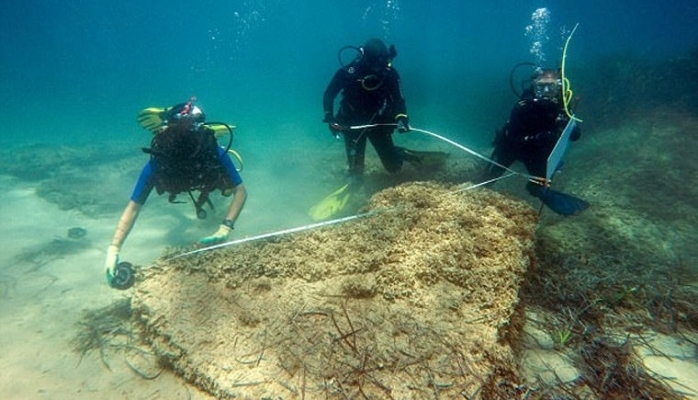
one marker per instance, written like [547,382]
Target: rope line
[276,233]
[357,216]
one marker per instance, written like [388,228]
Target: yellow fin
[152,118]
[331,204]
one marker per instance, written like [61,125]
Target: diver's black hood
[375,53]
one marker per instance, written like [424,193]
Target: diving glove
[403,124]
[111,262]
[219,236]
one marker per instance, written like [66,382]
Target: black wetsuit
[369,96]
[529,136]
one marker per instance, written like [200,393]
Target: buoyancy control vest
[187,159]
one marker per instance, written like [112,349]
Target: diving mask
[185,112]
[547,88]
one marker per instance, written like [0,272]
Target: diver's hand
[111,262]
[219,236]
[403,124]
[335,128]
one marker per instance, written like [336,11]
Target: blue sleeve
[233,174]
[145,184]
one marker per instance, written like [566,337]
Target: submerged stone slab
[413,301]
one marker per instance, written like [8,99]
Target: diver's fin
[152,118]
[425,158]
[561,203]
[331,204]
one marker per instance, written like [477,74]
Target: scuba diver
[371,108]
[184,157]
[535,124]
[371,95]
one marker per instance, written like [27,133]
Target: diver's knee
[393,167]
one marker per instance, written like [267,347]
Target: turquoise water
[76,73]
[73,71]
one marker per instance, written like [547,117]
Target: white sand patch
[673,359]
[46,280]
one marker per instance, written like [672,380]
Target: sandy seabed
[50,282]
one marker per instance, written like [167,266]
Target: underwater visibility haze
[89,66]
[76,74]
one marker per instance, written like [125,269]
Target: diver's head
[375,54]
[186,114]
[547,85]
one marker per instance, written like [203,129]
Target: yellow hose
[566,89]
[237,156]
